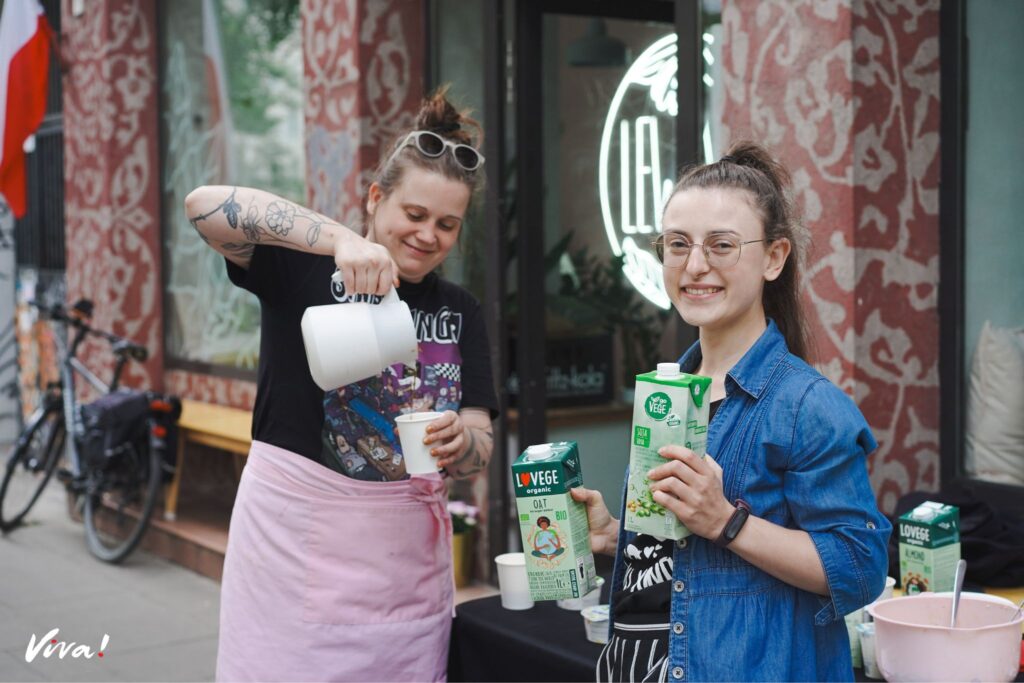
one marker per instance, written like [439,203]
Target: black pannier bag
[111,425]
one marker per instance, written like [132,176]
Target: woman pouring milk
[787,537]
[338,564]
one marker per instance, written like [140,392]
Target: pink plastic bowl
[913,641]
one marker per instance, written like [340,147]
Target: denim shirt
[795,447]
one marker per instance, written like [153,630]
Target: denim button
[871,525]
[678,586]
[678,628]
[677,672]
[681,543]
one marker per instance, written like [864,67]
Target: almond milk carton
[669,408]
[554,527]
[929,547]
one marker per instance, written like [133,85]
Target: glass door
[597,151]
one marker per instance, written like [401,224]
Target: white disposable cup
[412,428]
[512,580]
[867,646]
[852,620]
[890,584]
[589,600]
[595,620]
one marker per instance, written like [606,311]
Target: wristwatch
[735,523]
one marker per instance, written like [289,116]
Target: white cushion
[995,407]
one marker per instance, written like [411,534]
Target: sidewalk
[161,618]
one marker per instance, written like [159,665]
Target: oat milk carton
[669,408]
[929,548]
[556,535]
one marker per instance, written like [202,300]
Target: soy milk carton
[929,548]
[670,408]
[554,528]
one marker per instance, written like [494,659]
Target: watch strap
[736,521]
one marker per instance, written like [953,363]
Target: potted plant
[464,522]
[602,289]
[595,297]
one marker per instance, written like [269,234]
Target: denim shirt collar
[752,372]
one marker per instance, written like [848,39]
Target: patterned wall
[847,93]
[361,86]
[111,172]
[112,189]
[364,71]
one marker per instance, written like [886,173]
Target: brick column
[847,94]
[111,170]
[364,75]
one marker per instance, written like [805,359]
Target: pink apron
[328,578]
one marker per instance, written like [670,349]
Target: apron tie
[428,489]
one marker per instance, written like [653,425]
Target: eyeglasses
[432,145]
[721,252]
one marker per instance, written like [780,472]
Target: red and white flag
[24,64]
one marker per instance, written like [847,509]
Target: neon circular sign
[637,164]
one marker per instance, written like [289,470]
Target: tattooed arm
[466,441]
[233,220]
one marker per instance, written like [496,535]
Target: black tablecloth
[545,643]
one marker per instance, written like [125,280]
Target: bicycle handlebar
[79,317]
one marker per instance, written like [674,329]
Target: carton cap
[668,370]
[540,451]
[922,513]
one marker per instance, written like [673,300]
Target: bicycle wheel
[119,500]
[31,465]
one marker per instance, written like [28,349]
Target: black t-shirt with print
[351,429]
[646,595]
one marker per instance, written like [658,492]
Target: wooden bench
[229,429]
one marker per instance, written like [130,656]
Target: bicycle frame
[115,485]
[70,365]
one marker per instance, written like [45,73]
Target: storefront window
[609,106]
[232,113]
[993,302]
[713,134]
[456,30]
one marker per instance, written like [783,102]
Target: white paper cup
[412,428]
[867,646]
[595,619]
[589,600]
[890,584]
[512,580]
[853,619]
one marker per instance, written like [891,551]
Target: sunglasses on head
[432,145]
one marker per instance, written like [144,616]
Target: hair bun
[438,115]
[752,155]
[446,128]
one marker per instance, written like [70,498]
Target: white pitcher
[349,342]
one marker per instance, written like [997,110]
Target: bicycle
[117,451]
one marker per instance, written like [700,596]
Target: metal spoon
[958,585]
